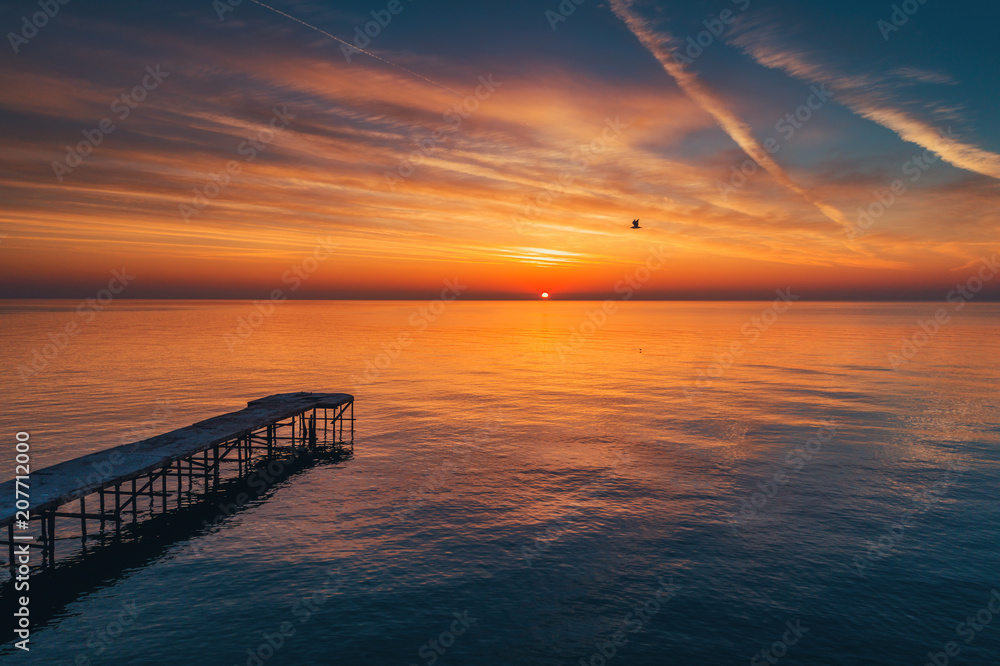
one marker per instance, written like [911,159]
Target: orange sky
[476,205]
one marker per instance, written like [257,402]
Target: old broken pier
[170,470]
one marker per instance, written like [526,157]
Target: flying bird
[635,224]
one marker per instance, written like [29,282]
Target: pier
[95,495]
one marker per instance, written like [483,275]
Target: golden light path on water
[525,462]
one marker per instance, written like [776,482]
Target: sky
[844,150]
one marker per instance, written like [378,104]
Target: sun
[545,294]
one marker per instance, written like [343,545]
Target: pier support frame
[198,474]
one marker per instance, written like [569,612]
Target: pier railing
[98,495]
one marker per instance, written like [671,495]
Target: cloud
[662,45]
[324,173]
[924,75]
[870,97]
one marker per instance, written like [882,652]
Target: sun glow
[545,294]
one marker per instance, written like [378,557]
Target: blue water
[562,495]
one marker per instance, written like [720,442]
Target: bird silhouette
[635,224]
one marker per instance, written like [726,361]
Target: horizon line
[583,298]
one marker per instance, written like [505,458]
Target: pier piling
[204,454]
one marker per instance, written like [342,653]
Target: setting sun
[770,224]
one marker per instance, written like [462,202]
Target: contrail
[861,101]
[348,44]
[701,95]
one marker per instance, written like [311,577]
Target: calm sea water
[570,498]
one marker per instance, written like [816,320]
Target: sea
[539,482]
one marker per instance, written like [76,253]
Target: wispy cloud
[324,173]
[869,97]
[924,75]
[662,45]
